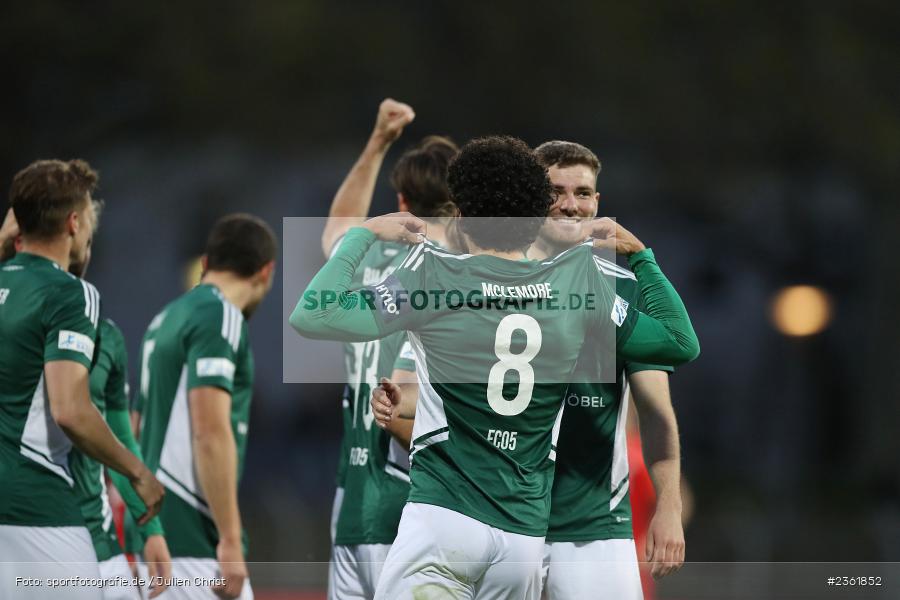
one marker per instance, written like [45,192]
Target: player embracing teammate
[590,549]
[477,514]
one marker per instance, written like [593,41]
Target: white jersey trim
[612,269]
[588,242]
[430,415]
[428,441]
[232,321]
[91,302]
[619,471]
[176,460]
[395,472]
[555,432]
[42,440]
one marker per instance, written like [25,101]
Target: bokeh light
[801,310]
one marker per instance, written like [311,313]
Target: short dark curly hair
[566,154]
[499,177]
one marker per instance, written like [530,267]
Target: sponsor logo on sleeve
[215,367]
[76,342]
[619,311]
[390,298]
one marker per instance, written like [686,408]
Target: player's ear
[203,265]
[73,223]
[402,204]
[267,274]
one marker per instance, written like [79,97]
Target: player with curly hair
[493,361]
[506,218]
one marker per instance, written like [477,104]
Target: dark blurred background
[755,145]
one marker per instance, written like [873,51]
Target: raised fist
[392,117]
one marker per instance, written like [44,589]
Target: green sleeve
[120,425]
[71,320]
[628,289]
[116,390]
[664,334]
[210,354]
[327,309]
[137,400]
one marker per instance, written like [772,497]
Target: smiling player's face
[576,201]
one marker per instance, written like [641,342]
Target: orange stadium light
[801,310]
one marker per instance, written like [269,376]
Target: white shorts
[120,580]
[201,570]
[30,557]
[440,553]
[602,569]
[355,571]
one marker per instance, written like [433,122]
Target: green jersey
[109,391]
[590,499]
[376,467]
[495,344]
[493,371]
[198,340]
[46,315]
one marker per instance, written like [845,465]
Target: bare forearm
[401,427]
[659,434]
[406,408]
[353,199]
[666,476]
[90,434]
[216,460]
[663,457]
[401,430]
[71,407]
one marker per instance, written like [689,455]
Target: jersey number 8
[520,363]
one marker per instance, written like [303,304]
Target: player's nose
[567,204]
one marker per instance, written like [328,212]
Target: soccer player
[373,472]
[49,321]
[590,550]
[483,451]
[349,208]
[196,385]
[109,392]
